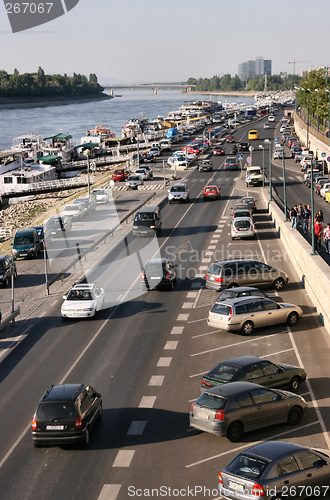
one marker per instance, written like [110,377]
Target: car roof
[272,450]
[179,184]
[233,389]
[242,360]
[148,209]
[211,186]
[64,392]
[234,301]
[84,286]
[242,218]
[160,260]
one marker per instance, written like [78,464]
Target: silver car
[134,181]
[178,192]
[237,407]
[244,314]
[242,227]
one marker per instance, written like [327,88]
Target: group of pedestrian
[302,216]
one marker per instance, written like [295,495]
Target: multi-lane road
[146,356]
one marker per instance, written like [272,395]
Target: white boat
[29,145]
[60,145]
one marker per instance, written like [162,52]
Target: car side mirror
[64,297]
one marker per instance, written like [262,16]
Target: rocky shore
[37,102]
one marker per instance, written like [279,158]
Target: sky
[170,40]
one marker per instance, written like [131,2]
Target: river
[76,119]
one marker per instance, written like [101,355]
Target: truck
[250,112]
[254,176]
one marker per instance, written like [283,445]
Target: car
[120,174]
[237,213]
[155,151]
[178,192]
[147,221]
[254,176]
[231,163]
[134,181]
[185,135]
[88,203]
[253,135]
[148,157]
[276,470]
[238,407]
[159,273]
[26,243]
[219,151]
[211,193]
[196,150]
[242,207]
[74,211]
[137,158]
[41,234]
[181,161]
[295,150]
[101,195]
[244,314]
[271,118]
[230,138]
[7,263]
[245,291]
[65,414]
[83,301]
[243,146]
[148,169]
[266,125]
[205,166]
[257,370]
[58,225]
[319,184]
[242,227]
[244,272]
[143,173]
[249,200]
[278,153]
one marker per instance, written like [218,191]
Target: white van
[254,176]
[278,153]
[165,145]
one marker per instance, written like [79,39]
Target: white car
[155,151]
[266,125]
[74,211]
[242,227]
[178,192]
[271,118]
[143,173]
[83,301]
[134,181]
[100,195]
[324,189]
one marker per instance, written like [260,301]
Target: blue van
[26,243]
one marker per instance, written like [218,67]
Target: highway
[146,357]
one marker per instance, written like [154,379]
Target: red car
[192,149]
[230,138]
[219,151]
[120,174]
[211,193]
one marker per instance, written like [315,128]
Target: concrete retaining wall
[313,272]
[316,145]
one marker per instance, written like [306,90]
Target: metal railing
[5,233]
[36,187]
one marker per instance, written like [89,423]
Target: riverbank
[235,93]
[40,102]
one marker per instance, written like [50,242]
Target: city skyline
[173,41]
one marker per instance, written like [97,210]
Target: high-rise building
[268,67]
[253,67]
[242,72]
[259,66]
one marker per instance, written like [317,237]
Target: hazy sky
[170,40]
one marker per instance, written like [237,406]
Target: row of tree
[39,84]
[313,94]
[228,83]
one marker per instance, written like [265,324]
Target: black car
[58,225]
[245,291]
[257,370]
[65,414]
[275,470]
[243,146]
[159,273]
[6,263]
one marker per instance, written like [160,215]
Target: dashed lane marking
[191,295]
[147,402]
[123,458]
[182,317]
[109,492]
[164,361]
[171,345]
[177,330]
[187,305]
[136,428]
[156,380]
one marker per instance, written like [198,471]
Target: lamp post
[309,117]
[318,104]
[328,118]
[87,152]
[263,164]
[284,191]
[312,210]
[270,168]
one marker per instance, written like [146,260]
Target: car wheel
[235,432]
[294,384]
[169,201]
[247,328]
[278,283]
[233,285]
[294,416]
[85,441]
[36,444]
[293,319]
[100,415]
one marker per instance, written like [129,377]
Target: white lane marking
[136,428]
[196,321]
[251,444]
[182,317]
[218,230]
[207,252]
[221,225]
[171,345]
[278,352]
[202,334]
[123,458]
[191,295]
[211,247]
[147,402]
[187,305]
[195,285]
[214,241]
[316,407]
[177,330]
[198,374]
[164,361]
[231,345]
[109,492]
[206,260]
[156,380]
[202,268]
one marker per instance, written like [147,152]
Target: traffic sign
[240,157]
[248,177]
[275,140]
[249,159]
[328,159]
[323,155]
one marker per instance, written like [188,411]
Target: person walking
[319,217]
[318,229]
[326,238]
[293,217]
[306,215]
[299,216]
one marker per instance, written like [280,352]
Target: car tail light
[168,275]
[143,276]
[78,423]
[220,478]
[206,383]
[219,280]
[251,227]
[219,415]
[207,276]
[192,407]
[258,490]
[230,313]
[34,424]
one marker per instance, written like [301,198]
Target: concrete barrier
[313,272]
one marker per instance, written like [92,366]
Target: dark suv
[6,261]
[158,273]
[65,414]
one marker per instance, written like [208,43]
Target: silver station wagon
[244,314]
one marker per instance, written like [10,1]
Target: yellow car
[253,134]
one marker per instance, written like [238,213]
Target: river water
[76,119]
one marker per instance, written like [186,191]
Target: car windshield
[242,224]
[210,401]
[220,308]
[241,214]
[58,222]
[145,216]
[224,372]
[154,269]
[23,240]
[70,208]
[134,178]
[177,189]
[248,467]
[56,410]
[80,295]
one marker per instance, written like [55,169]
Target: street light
[328,118]
[312,209]
[309,117]
[284,191]
[270,168]
[263,164]
[318,102]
